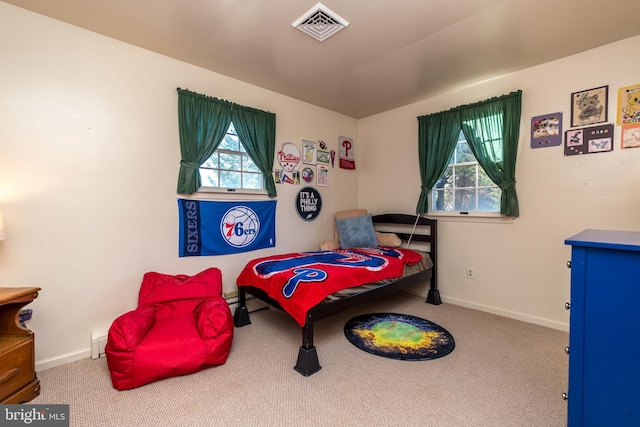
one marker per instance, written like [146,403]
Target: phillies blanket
[301,280]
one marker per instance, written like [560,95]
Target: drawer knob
[567,306]
[565,396]
[568,264]
[566,350]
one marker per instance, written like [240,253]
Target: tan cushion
[389,240]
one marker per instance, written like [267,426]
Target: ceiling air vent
[320,22]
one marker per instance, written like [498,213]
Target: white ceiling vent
[320,22]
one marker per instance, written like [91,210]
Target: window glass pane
[230,161]
[465,176]
[252,181]
[446,179]
[483,178]
[211,162]
[443,200]
[248,165]
[229,179]
[465,200]
[463,153]
[489,199]
[209,178]
[229,142]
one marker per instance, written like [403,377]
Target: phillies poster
[347,153]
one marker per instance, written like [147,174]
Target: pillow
[389,240]
[356,232]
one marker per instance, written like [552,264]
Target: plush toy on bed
[354,228]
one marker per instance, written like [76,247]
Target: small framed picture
[589,107]
[308,152]
[630,136]
[546,131]
[589,140]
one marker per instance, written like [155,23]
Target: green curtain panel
[257,132]
[203,122]
[492,129]
[437,138]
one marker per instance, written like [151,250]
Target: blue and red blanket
[301,280]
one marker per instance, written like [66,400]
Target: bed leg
[433,297]
[241,315]
[308,363]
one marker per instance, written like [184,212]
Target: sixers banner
[221,228]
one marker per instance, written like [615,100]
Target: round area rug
[399,336]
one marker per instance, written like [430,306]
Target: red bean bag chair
[182,325]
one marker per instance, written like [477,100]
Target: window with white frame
[230,167]
[464,186]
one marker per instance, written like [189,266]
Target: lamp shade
[3,233]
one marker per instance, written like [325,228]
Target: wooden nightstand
[18,382]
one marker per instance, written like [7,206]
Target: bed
[416,235]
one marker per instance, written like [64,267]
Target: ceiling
[391,54]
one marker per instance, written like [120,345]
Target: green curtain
[203,122]
[437,138]
[257,132]
[492,129]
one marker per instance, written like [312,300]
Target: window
[464,186]
[230,167]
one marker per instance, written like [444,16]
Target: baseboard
[500,312]
[42,365]
[510,314]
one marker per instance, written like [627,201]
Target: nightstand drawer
[16,365]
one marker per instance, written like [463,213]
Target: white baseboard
[510,314]
[63,359]
[500,312]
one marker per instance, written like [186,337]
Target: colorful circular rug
[399,336]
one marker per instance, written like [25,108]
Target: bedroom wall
[88,172]
[520,266]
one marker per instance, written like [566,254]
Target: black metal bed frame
[308,363]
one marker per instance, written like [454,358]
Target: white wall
[88,173]
[520,266]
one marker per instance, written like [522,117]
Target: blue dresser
[604,334]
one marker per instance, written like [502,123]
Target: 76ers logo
[240,226]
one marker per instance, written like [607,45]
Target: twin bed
[310,286]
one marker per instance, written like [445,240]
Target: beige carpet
[502,373]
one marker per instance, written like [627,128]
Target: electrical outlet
[230,294]
[471,273]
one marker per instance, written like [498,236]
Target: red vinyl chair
[182,325]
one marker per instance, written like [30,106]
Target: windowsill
[210,192]
[484,217]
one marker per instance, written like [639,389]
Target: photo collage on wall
[589,132]
[307,166]
[310,164]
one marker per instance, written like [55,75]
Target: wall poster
[589,106]
[629,105]
[546,131]
[323,176]
[589,140]
[347,153]
[631,136]
[308,152]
